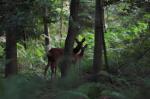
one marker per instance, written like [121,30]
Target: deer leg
[53,69]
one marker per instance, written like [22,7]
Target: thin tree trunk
[61,21]
[105,49]
[24,39]
[105,54]
[11,53]
[104,44]
[45,20]
[72,31]
[97,61]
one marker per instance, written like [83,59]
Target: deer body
[80,54]
[55,54]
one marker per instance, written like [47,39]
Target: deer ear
[83,40]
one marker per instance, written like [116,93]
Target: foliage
[32,58]
[20,86]
[2,58]
[127,42]
[1,51]
[1,87]
[70,95]
[92,90]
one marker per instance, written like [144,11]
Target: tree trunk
[105,54]
[72,31]
[45,20]
[24,39]
[97,61]
[11,53]
[104,44]
[61,21]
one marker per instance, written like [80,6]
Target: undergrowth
[129,75]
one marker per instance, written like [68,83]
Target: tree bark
[61,21]
[72,31]
[45,20]
[97,61]
[104,44]
[11,53]
[24,39]
[105,54]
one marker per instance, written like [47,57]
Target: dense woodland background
[115,64]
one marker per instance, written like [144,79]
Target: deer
[55,54]
[78,56]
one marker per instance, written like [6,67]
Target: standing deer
[55,54]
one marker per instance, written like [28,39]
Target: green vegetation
[127,38]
